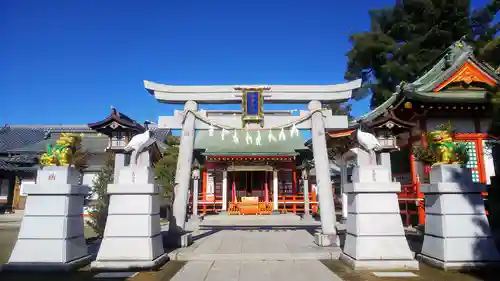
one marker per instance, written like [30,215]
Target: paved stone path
[255,255]
[255,271]
[255,244]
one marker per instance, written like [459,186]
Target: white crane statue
[369,143]
[139,143]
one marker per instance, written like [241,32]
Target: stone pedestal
[132,238]
[457,232]
[51,235]
[375,237]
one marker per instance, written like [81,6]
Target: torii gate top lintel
[232,94]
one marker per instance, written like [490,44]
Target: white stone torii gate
[318,120]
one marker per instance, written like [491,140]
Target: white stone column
[51,234]
[275,191]
[305,180]
[132,238]
[457,232]
[224,191]
[385,161]
[323,180]
[183,173]
[375,238]
[119,164]
[196,179]
[343,182]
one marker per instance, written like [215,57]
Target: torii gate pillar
[321,164]
[183,171]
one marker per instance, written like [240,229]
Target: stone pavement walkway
[255,244]
[255,254]
[255,271]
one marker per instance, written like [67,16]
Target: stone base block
[460,249]
[129,265]
[383,248]
[454,265]
[47,266]
[379,264]
[130,248]
[326,240]
[371,174]
[48,251]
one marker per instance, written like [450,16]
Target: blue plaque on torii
[252,105]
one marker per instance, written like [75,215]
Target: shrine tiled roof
[117,118]
[214,145]
[12,137]
[91,144]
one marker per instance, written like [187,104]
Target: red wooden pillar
[420,196]
[294,181]
[204,185]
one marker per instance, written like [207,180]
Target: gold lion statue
[444,148]
[62,153]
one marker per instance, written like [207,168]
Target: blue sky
[69,61]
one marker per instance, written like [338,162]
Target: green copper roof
[214,145]
[450,96]
[441,69]
[447,64]
[379,110]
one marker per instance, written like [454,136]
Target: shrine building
[454,89]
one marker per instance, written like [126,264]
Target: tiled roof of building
[92,144]
[14,137]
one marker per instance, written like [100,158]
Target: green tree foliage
[341,109]
[99,212]
[165,168]
[404,39]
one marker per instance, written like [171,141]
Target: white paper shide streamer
[290,127]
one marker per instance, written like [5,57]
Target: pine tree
[405,38]
[165,171]
[165,168]
[99,213]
